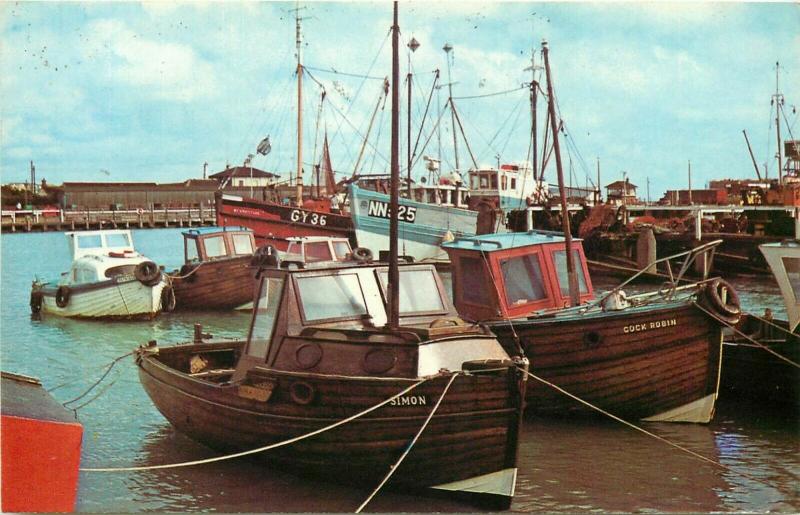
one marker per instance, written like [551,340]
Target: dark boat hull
[473,433]
[655,363]
[273,223]
[223,284]
[751,373]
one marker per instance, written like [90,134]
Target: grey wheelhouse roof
[505,241]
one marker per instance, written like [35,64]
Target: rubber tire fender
[62,296]
[147,273]
[725,309]
[362,255]
[37,298]
[168,301]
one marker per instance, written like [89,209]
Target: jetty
[43,220]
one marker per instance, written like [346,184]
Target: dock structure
[35,220]
[698,211]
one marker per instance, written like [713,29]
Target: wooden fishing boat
[108,279]
[649,357]
[41,448]
[655,357]
[753,373]
[217,273]
[420,398]
[318,352]
[273,223]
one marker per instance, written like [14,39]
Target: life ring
[62,296]
[168,301]
[362,255]
[728,309]
[139,211]
[147,273]
[265,255]
[36,302]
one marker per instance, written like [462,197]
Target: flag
[264,147]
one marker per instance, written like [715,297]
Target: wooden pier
[78,220]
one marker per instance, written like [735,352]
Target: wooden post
[698,226]
[87,218]
[797,223]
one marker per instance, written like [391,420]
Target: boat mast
[574,294]
[298,41]
[534,124]
[447,49]
[778,99]
[394,272]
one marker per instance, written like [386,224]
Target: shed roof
[243,171]
[620,184]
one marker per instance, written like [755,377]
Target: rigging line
[259,449]
[110,367]
[344,118]
[788,125]
[463,136]
[424,117]
[513,124]
[646,432]
[751,340]
[492,94]
[503,125]
[346,74]
[425,145]
[394,467]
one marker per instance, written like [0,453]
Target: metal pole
[690,182]
[750,149]
[298,41]
[574,293]
[408,136]
[394,272]
[448,48]
[778,102]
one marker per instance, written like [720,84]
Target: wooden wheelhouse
[216,273]
[657,357]
[513,275]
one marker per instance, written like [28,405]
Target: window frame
[486,274]
[252,324]
[313,321]
[385,293]
[542,303]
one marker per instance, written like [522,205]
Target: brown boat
[655,357]
[217,273]
[372,359]
[318,352]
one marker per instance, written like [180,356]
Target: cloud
[163,69]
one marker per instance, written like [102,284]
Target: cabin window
[264,315]
[494,181]
[342,249]
[84,275]
[560,260]
[191,250]
[513,183]
[89,241]
[792,267]
[418,291]
[474,281]
[116,271]
[522,277]
[215,246]
[242,244]
[293,248]
[331,297]
[484,185]
[504,182]
[318,251]
[118,240]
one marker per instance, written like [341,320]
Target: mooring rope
[644,431]
[748,338]
[94,385]
[259,449]
[192,271]
[411,444]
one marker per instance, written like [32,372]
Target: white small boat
[108,278]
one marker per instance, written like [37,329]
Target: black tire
[36,302]
[730,308]
[147,273]
[168,301]
[62,296]
[362,255]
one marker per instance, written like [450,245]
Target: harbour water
[566,465]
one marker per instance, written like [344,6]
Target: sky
[151,91]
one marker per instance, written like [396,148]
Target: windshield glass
[418,291]
[117,240]
[242,244]
[331,297]
[342,249]
[560,260]
[522,277]
[215,246]
[89,241]
[264,315]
